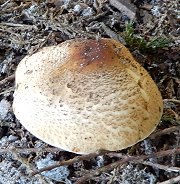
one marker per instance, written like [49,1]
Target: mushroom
[84,95]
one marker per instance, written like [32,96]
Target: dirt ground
[153,39]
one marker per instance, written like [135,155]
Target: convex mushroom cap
[85,95]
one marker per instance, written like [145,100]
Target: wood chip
[125,7]
[146,6]
[112,34]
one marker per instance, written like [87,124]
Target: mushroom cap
[85,95]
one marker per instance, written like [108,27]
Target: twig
[22,26]
[92,155]
[25,163]
[172,100]
[125,7]
[5,4]
[29,150]
[159,166]
[112,34]
[7,79]
[40,45]
[71,161]
[7,91]
[22,6]
[124,160]
[165,131]
[171,181]
[93,18]
[175,114]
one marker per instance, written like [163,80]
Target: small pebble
[4,108]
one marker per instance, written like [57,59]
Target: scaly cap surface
[84,95]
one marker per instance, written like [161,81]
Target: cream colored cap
[84,95]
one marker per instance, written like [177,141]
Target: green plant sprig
[153,44]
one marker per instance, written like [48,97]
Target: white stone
[4,108]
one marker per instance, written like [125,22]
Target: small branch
[171,181]
[106,168]
[125,7]
[124,160]
[5,4]
[112,34]
[29,150]
[172,100]
[7,79]
[40,45]
[22,26]
[176,116]
[162,167]
[7,91]
[70,161]
[165,131]
[93,18]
